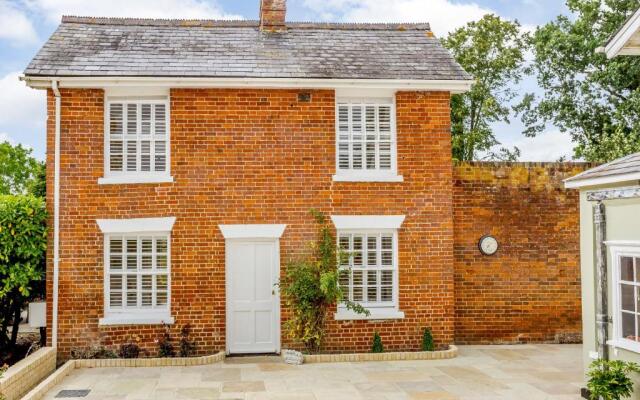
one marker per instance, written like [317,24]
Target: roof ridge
[187,22]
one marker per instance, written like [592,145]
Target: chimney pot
[272,15]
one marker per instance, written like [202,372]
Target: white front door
[253,303]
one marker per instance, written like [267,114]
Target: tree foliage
[20,172]
[591,98]
[23,242]
[492,51]
[310,288]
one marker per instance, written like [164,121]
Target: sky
[26,24]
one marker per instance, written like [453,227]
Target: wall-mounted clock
[488,245]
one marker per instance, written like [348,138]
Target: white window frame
[137,227]
[371,224]
[365,175]
[124,177]
[617,250]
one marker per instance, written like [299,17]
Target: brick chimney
[272,13]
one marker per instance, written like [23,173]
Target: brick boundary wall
[529,291]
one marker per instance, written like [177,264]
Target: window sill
[625,344]
[376,314]
[357,177]
[115,180]
[137,319]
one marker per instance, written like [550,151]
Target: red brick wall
[252,156]
[530,290]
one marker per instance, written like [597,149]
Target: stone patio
[531,372]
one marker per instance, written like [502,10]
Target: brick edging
[451,352]
[46,385]
[151,362]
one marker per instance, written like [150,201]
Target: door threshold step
[253,359]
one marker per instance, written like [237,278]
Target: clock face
[488,245]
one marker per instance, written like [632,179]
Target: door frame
[253,234]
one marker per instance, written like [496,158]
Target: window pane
[145,119]
[160,119]
[637,269]
[132,291]
[357,251]
[115,262]
[115,282]
[386,291]
[343,118]
[161,245]
[161,261]
[371,155]
[372,285]
[115,245]
[132,119]
[357,155]
[161,299]
[628,301]
[343,282]
[343,156]
[145,156]
[161,282]
[356,119]
[385,155]
[384,118]
[115,119]
[372,251]
[629,326]
[160,158]
[357,285]
[115,299]
[115,155]
[626,269]
[132,155]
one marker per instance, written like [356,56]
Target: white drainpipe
[56,216]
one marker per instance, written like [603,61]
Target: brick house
[184,157]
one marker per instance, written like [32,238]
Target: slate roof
[621,166]
[85,46]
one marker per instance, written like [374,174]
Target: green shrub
[165,348]
[609,380]
[92,352]
[130,348]
[427,340]
[377,346]
[187,346]
[310,289]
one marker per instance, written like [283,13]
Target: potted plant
[609,380]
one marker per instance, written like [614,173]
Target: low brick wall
[451,352]
[58,376]
[27,373]
[529,291]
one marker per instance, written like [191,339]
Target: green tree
[492,51]
[20,172]
[591,98]
[23,242]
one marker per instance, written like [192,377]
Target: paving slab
[545,372]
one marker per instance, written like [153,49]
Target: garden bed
[451,352]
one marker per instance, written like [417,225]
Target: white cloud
[52,10]
[16,27]
[444,15]
[18,102]
[548,146]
